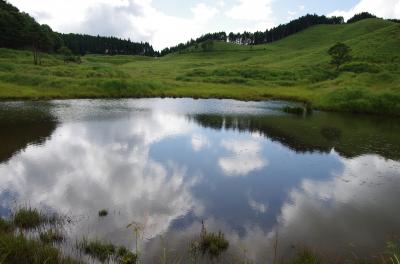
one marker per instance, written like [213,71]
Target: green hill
[294,68]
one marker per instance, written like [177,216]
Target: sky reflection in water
[169,164]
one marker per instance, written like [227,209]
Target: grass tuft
[28,218]
[305,256]
[212,244]
[105,251]
[97,249]
[5,226]
[18,249]
[51,236]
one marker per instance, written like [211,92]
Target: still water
[326,181]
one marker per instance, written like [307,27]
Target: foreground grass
[104,251]
[295,68]
[16,248]
[209,247]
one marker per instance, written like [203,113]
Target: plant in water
[103,213]
[394,252]
[194,251]
[212,244]
[28,218]
[19,249]
[293,110]
[105,251]
[5,226]
[51,236]
[138,230]
[97,249]
[126,257]
[305,256]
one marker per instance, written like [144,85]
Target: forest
[20,31]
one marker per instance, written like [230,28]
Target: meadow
[296,68]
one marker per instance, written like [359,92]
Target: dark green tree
[66,52]
[340,54]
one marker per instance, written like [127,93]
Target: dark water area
[327,181]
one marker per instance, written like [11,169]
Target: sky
[167,23]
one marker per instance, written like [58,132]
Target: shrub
[360,67]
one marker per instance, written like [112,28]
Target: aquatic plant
[394,251]
[5,226]
[97,249]
[18,249]
[293,110]
[212,244]
[126,257]
[51,236]
[103,213]
[138,230]
[28,218]
[305,256]
[106,251]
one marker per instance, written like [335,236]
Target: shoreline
[288,99]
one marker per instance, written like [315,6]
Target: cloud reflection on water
[108,160]
[88,166]
[245,158]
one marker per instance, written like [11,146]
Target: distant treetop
[360,16]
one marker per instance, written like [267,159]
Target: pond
[267,179]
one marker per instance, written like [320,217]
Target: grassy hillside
[295,68]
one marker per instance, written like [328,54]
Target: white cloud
[367,188]
[138,20]
[380,8]
[257,14]
[199,142]
[258,207]
[253,10]
[202,12]
[294,14]
[86,166]
[245,159]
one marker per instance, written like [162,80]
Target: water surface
[327,181]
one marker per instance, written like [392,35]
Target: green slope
[295,68]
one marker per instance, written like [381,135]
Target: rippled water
[327,181]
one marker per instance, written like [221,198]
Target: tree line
[18,30]
[271,35]
[259,37]
[82,44]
